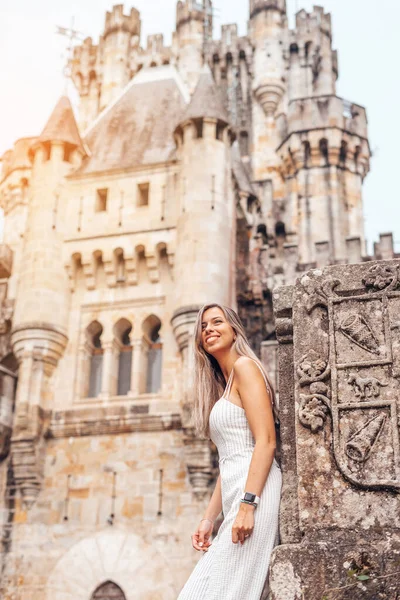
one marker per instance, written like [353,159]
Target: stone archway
[108,591]
[133,566]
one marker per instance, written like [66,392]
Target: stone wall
[77,536]
[338,331]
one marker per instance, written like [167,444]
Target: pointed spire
[206,100]
[62,127]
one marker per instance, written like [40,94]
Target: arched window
[94,332]
[280,229]
[122,331]
[151,331]
[108,591]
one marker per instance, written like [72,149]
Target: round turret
[193,29]
[257,6]
[204,149]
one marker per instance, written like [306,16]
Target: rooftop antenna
[72,35]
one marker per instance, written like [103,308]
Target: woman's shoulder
[246,367]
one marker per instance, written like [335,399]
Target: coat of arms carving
[352,374]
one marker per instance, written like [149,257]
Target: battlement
[309,23]
[257,6]
[281,259]
[117,21]
[192,10]
[307,114]
[16,158]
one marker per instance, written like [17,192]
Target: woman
[234,406]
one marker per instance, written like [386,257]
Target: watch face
[249,497]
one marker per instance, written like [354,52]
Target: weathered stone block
[344,422]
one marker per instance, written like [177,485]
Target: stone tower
[40,321]
[101,72]
[205,228]
[324,147]
[193,30]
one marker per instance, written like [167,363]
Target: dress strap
[230,380]
[268,385]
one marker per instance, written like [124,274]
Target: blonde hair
[209,381]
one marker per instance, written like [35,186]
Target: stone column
[339,346]
[110,349]
[137,368]
[83,369]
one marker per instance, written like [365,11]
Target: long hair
[209,381]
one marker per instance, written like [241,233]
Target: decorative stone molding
[198,458]
[109,420]
[45,341]
[269,94]
[38,348]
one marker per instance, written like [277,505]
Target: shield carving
[363,365]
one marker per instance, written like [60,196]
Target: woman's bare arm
[257,403]
[215,505]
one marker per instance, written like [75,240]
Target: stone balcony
[6,259]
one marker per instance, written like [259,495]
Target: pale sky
[365,34]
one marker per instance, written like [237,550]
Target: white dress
[231,571]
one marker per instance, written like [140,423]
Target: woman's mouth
[211,338]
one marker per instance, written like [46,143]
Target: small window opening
[198,123]
[220,131]
[262,230]
[343,152]
[123,330]
[307,49]
[94,332]
[244,143]
[323,147]
[280,229]
[307,153]
[101,200]
[357,153]
[143,194]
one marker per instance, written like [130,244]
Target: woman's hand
[201,538]
[244,523]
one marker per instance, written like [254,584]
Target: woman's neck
[226,362]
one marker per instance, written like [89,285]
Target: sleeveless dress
[231,571]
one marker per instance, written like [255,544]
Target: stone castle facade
[205,171]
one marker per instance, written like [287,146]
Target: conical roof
[62,127]
[206,101]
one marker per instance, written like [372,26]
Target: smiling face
[216,333]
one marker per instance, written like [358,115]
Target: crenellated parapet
[312,62]
[309,23]
[156,54]
[191,10]
[117,21]
[257,6]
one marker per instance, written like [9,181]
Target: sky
[365,33]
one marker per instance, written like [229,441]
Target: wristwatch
[249,498]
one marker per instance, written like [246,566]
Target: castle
[211,170]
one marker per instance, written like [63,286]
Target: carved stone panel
[347,370]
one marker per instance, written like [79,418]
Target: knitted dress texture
[231,571]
